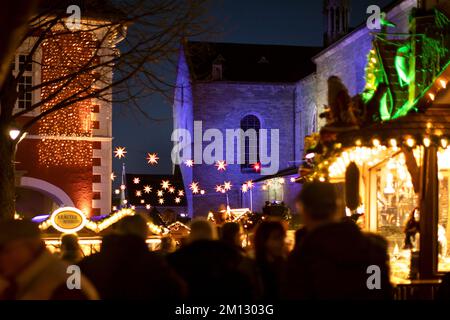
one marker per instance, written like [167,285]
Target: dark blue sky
[290,22]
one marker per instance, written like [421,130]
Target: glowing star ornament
[165,184]
[249,184]
[257,167]
[244,188]
[177,200]
[227,185]
[120,152]
[221,165]
[113,176]
[147,206]
[160,193]
[122,187]
[147,189]
[180,193]
[152,158]
[138,193]
[218,188]
[171,190]
[194,187]
[136,180]
[161,201]
[189,163]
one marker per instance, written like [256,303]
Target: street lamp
[14,133]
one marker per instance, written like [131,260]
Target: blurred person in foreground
[270,256]
[70,249]
[211,267]
[28,271]
[126,269]
[332,260]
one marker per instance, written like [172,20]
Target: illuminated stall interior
[390,144]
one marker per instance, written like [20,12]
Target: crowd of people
[329,261]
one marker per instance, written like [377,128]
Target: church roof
[250,62]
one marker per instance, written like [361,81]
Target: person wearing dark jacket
[126,269]
[335,258]
[210,267]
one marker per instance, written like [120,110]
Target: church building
[247,86]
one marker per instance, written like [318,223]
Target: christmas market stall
[388,148]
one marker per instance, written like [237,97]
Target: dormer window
[217,72]
[217,68]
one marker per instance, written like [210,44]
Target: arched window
[250,125]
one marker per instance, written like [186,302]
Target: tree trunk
[7,179]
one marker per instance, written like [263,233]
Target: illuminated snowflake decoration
[120,152]
[221,165]
[152,158]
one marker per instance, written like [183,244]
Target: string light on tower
[120,152]
[152,158]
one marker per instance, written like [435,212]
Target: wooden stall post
[429,210]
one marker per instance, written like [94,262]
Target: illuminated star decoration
[147,207]
[147,189]
[194,187]
[221,165]
[120,152]
[189,163]
[177,200]
[172,190]
[180,193]
[244,188]
[257,167]
[138,193]
[152,158]
[122,187]
[113,176]
[142,201]
[227,185]
[218,188]
[161,201]
[160,193]
[165,184]
[136,180]
[249,184]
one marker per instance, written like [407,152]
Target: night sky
[289,22]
